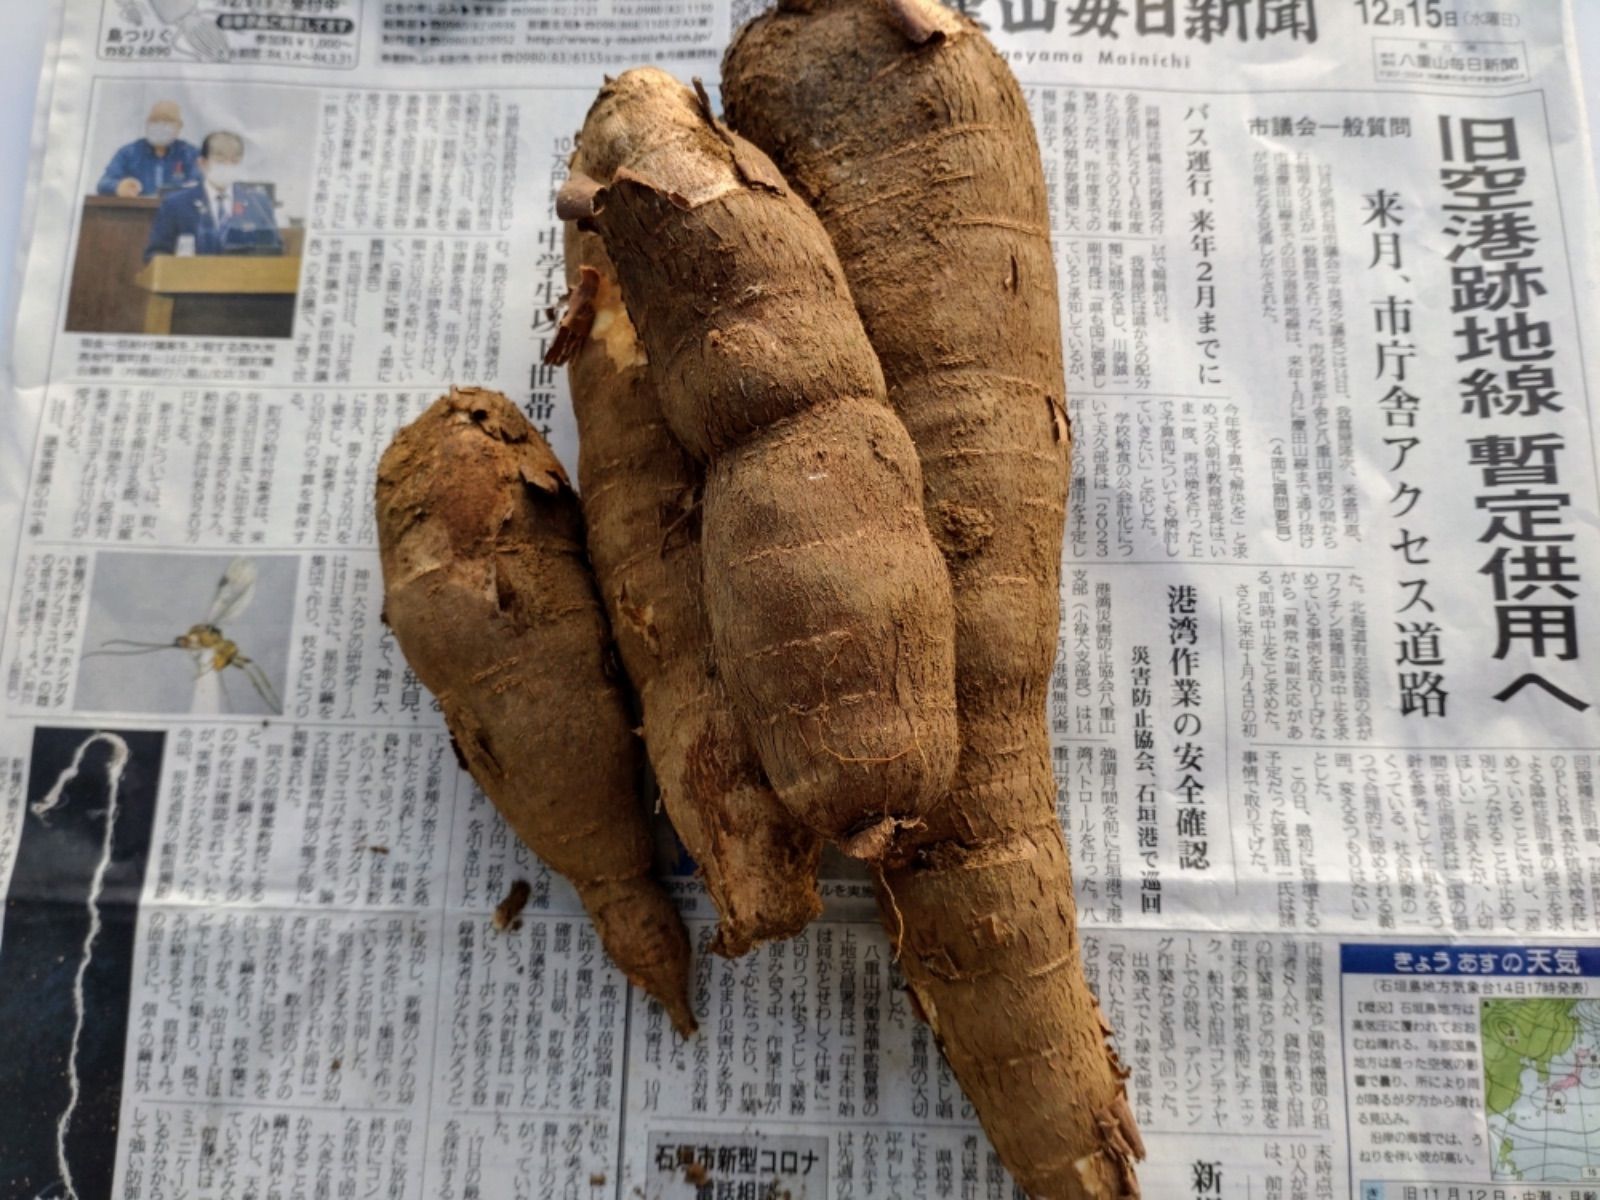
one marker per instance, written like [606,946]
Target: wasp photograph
[187,633]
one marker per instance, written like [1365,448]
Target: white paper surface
[1325,732]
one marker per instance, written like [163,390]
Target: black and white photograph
[66,957]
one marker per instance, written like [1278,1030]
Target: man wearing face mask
[222,212]
[158,160]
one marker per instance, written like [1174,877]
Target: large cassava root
[490,596]
[641,496]
[828,602]
[909,135]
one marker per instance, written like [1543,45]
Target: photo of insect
[208,645]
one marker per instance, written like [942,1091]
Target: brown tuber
[828,602]
[905,129]
[490,596]
[641,495]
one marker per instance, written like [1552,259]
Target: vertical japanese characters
[1419,659]
[1198,179]
[1503,338]
[1183,642]
[1147,812]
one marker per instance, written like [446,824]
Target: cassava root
[828,602]
[905,129]
[641,497]
[489,594]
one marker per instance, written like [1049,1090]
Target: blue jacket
[138,160]
[251,224]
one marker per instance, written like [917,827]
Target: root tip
[1121,1146]
[681,1016]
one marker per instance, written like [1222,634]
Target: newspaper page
[1326,741]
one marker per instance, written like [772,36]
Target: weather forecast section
[1472,1072]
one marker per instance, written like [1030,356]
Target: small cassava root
[489,594]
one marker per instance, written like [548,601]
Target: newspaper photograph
[1324,740]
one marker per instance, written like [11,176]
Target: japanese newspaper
[1325,737]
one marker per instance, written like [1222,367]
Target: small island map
[1541,1067]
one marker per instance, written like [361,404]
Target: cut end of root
[580,197]
[872,843]
[914,20]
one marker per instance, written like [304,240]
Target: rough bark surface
[489,594]
[908,134]
[828,602]
[641,504]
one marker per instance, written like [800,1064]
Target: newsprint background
[1326,730]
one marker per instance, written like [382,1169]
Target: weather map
[1541,1066]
